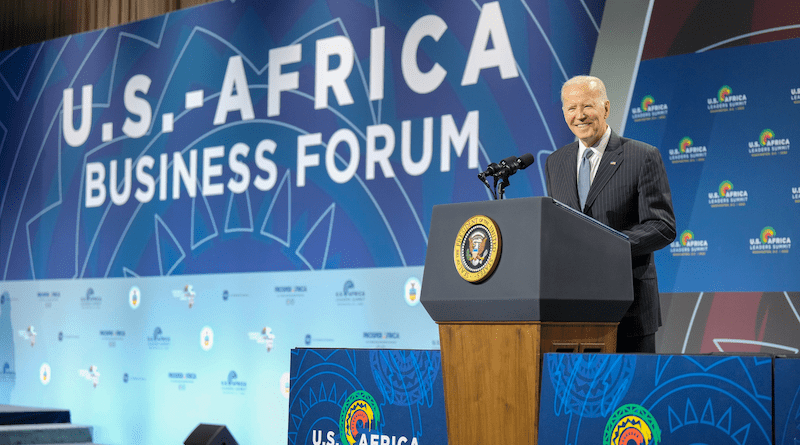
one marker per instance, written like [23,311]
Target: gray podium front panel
[555,265]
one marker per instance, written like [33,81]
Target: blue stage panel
[655,399]
[347,396]
[787,401]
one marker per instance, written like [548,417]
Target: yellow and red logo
[724,92]
[685,143]
[767,233]
[766,135]
[632,424]
[686,236]
[647,101]
[360,414]
[724,187]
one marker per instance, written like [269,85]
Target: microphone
[511,164]
[502,171]
[491,170]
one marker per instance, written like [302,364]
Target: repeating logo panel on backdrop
[727,196]
[725,100]
[688,245]
[769,241]
[687,151]
[648,110]
[769,144]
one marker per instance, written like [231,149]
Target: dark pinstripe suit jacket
[630,193]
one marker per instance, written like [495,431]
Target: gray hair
[594,83]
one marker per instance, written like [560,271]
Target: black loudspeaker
[206,434]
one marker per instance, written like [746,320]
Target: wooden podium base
[492,373]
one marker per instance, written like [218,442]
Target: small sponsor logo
[285,384]
[350,295]
[91,374]
[91,300]
[29,334]
[48,297]
[411,291]
[112,336]
[233,384]
[158,341]
[45,374]
[264,337]
[186,294]
[796,195]
[8,374]
[290,292]
[381,337]
[62,336]
[206,338]
[182,379]
[134,297]
[309,340]
[131,378]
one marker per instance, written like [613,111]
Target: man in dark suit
[623,184]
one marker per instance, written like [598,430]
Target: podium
[508,281]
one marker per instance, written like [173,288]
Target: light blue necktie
[585,176]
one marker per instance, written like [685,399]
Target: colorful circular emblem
[44,374]
[359,415]
[646,102]
[686,236]
[767,233]
[724,187]
[632,424]
[765,135]
[206,338]
[724,92]
[685,143]
[134,297]
[477,248]
[411,291]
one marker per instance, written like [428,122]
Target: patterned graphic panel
[787,401]
[366,396]
[655,399]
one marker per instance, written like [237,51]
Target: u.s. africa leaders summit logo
[649,110]
[727,196]
[632,424]
[687,245]
[768,145]
[768,241]
[687,151]
[725,100]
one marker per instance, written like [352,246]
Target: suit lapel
[612,159]
[569,170]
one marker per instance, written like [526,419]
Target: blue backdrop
[185,199]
